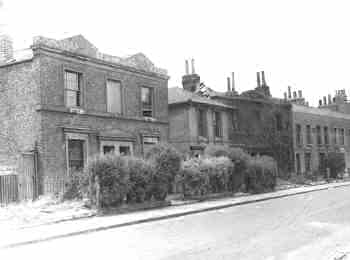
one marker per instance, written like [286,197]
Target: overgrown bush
[113,178]
[140,180]
[195,182]
[219,170]
[261,174]
[76,185]
[241,160]
[167,164]
[213,150]
[208,175]
[336,164]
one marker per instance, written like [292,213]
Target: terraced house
[319,131]
[64,101]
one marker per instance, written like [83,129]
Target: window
[308,134]
[76,155]
[318,135]
[322,162]
[217,124]
[116,147]
[335,133]
[298,163]
[202,122]
[108,149]
[124,150]
[72,86]
[147,101]
[279,126]
[308,162]
[298,134]
[342,136]
[326,135]
[114,97]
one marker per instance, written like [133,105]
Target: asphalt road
[309,226]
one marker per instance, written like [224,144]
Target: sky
[301,43]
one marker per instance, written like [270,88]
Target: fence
[54,185]
[8,188]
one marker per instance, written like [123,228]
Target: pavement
[33,235]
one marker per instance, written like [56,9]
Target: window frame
[121,95]
[217,131]
[326,135]
[298,134]
[80,86]
[202,125]
[152,90]
[308,131]
[318,135]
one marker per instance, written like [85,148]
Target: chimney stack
[324,100]
[289,92]
[193,71]
[320,102]
[6,48]
[233,82]
[228,84]
[300,93]
[294,94]
[263,81]
[329,99]
[187,68]
[285,95]
[258,79]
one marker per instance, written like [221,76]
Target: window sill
[63,109]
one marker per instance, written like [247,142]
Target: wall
[19,122]
[322,117]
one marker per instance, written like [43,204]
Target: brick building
[319,131]
[252,120]
[194,120]
[68,101]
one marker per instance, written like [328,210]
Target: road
[309,226]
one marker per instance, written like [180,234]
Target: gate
[28,178]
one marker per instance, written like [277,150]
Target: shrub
[167,164]
[193,180]
[261,174]
[208,175]
[140,180]
[219,170]
[241,160]
[76,186]
[113,178]
[336,164]
[213,150]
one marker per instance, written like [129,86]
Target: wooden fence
[8,188]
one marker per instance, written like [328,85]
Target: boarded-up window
[114,97]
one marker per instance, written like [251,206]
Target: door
[27,178]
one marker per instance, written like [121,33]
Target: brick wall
[19,122]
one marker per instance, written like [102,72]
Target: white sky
[302,43]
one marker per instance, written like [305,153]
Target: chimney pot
[193,70]
[324,100]
[187,67]
[289,92]
[300,93]
[285,95]
[228,84]
[329,99]
[233,82]
[263,81]
[294,94]
[258,79]
[319,102]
